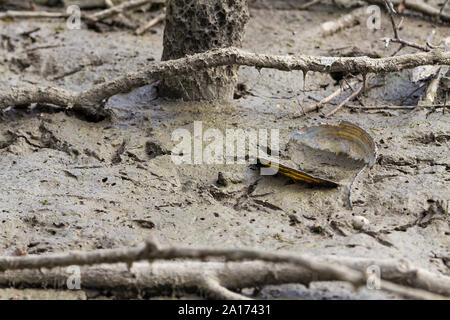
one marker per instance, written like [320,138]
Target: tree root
[402,270]
[55,96]
[213,280]
[92,18]
[90,101]
[296,269]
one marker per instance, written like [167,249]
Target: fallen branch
[318,105]
[432,89]
[92,18]
[312,268]
[161,278]
[90,100]
[402,270]
[352,96]
[119,9]
[349,20]
[11,14]
[391,11]
[392,107]
[308,4]
[214,280]
[159,18]
[417,6]
[442,9]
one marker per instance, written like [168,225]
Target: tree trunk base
[197,26]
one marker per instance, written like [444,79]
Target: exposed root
[302,269]
[90,100]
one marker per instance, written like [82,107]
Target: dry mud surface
[70,184]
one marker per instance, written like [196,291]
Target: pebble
[222,179]
[358,222]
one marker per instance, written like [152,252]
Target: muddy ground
[70,184]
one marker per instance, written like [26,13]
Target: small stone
[154,149]
[317,228]
[222,180]
[339,215]
[293,220]
[358,222]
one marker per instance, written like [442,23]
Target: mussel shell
[297,175]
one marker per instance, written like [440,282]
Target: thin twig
[92,18]
[346,21]
[107,13]
[432,89]
[159,18]
[350,188]
[11,14]
[391,12]
[417,6]
[391,107]
[343,103]
[308,4]
[442,9]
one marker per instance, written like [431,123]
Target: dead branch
[209,279]
[119,9]
[159,18]
[391,11]
[392,269]
[92,18]
[349,20]
[442,9]
[151,251]
[318,105]
[89,101]
[308,4]
[432,89]
[319,268]
[214,289]
[52,95]
[214,280]
[392,107]
[417,6]
[11,14]
[352,96]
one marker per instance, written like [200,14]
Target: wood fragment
[308,4]
[343,103]
[417,6]
[391,12]
[121,8]
[11,14]
[159,18]
[432,89]
[349,20]
[92,18]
